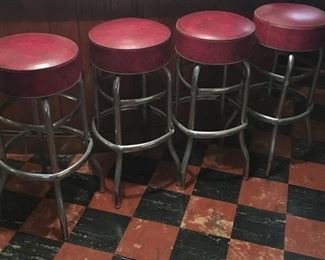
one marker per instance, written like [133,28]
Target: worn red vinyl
[290,27]
[37,64]
[214,37]
[130,45]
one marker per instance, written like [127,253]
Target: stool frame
[130,104]
[47,129]
[197,93]
[283,82]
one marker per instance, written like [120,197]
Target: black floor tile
[193,245]
[77,188]
[264,127]
[293,256]
[197,153]
[279,171]
[307,203]
[218,185]
[63,159]
[163,206]
[318,112]
[136,169]
[16,208]
[315,154]
[25,246]
[259,226]
[99,230]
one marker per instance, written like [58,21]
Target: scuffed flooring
[218,216]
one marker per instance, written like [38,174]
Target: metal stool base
[283,82]
[47,129]
[130,104]
[206,94]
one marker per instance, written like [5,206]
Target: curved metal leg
[178,69]
[40,136]
[269,89]
[272,149]
[118,141]
[85,127]
[145,117]
[95,165]
[54,166]
[96,99]
[191,121]
[286,83]
[223,96]
[170,125]
[243,118]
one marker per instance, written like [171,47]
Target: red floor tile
[85,169]
[144,240]
[307,174]
[209,216]
[165,177]
[224,159]
[317,129]
[74,252]
[261,144]
[18,157]
[305,236]
[44,220]
[5,236]
[249,251]
[264,194]
[132,194]
[35,188]
[31,167]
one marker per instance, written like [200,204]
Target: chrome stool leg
[177,81]
[284,91]
[170,125]
[118,140]
[94,163]
[40,137]
[54,165]
[191,121]
[243,118]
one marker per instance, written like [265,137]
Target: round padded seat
[290,27]
[129,45]
[214,37]
[37,65]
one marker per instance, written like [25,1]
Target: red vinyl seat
[129,45]
[214,37]
[290,27]
[37,65]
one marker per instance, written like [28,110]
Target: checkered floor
[218,216]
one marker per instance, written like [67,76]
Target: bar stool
[288,29]
[213,38]
[130,46]
[36,66]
